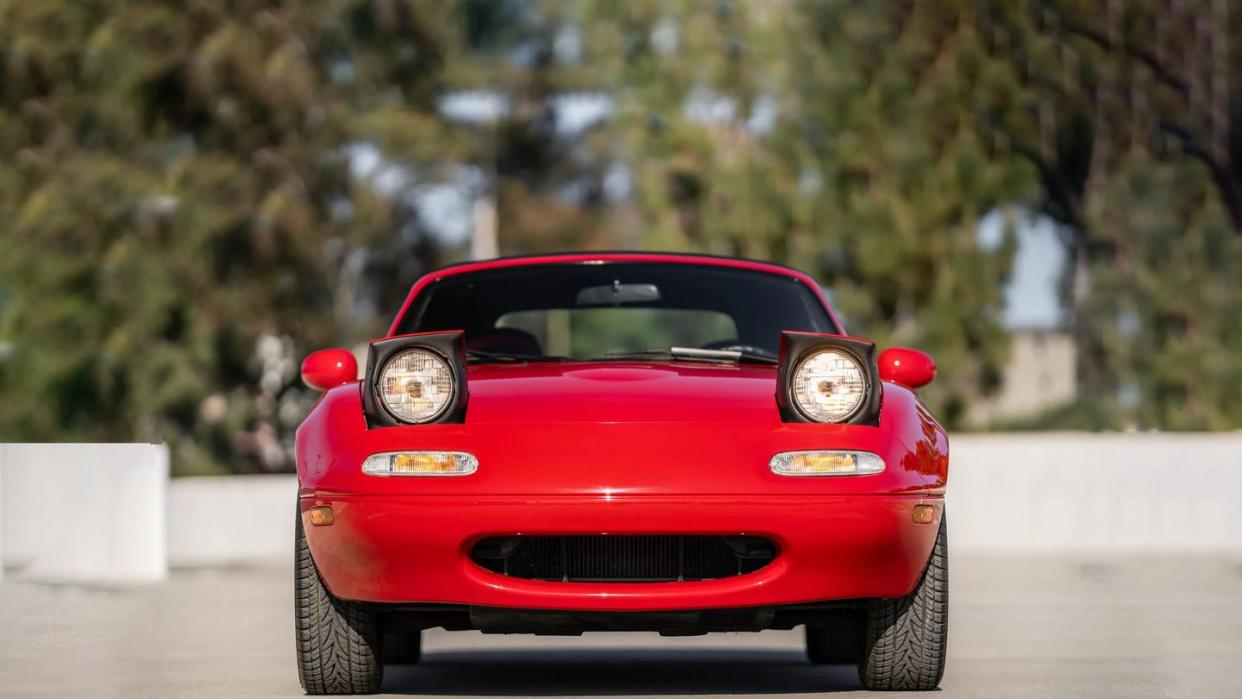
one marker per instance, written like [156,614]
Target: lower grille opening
[623,558]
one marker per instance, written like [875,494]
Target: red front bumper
[415,548]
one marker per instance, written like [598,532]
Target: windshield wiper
[708,355]
[481,356]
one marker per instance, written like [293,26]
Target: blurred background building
[1044,194]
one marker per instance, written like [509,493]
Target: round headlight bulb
[416,385]
[828,385]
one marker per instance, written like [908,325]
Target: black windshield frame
[761,303]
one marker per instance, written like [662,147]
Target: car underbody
[844,614]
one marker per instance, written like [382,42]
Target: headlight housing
[828,385]
[416,385]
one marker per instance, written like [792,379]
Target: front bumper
[415,548]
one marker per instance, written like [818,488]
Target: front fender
[630,457]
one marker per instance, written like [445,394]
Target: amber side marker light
[421,463]
[923,514]
[322,516]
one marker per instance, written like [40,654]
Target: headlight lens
[829,385]
[416,385]
[826,463]
[421,463]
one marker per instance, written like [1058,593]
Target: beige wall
[1040,375]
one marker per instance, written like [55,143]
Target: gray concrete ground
[1020,626]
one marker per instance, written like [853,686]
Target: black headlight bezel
[449,346]
[797,346]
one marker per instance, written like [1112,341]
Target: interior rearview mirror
[616,294]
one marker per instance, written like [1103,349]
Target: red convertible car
[623,441]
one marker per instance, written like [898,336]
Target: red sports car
[628,441]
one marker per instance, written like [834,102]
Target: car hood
[621,391]
[618,428]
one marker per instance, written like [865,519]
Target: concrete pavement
[1020,626]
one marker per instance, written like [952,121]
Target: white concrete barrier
[1110,493]
[1096,492]
[86,513]
[96,513]
[231,520]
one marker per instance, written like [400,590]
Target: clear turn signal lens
[421,463]
[826,463]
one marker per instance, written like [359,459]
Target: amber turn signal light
[924,514]
[322,516]
[420,463]
[826,463]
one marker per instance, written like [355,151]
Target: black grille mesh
[623,558]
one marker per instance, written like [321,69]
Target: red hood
[616,391]
[616,427]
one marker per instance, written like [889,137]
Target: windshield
[590,311]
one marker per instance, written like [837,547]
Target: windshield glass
[591,311]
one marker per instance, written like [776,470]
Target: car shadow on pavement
[621,672]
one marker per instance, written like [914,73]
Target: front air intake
[623,558]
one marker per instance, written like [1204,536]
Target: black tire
[403,647]
[907,638]
[834,645]
[338,645]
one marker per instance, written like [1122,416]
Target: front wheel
[907,638]
[338,643]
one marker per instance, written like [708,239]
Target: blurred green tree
[837,137]
[541,174]
[1130,112]
[196,194]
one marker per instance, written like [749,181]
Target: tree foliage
[196,194]
[1130,112]
[179,208]
[836,137]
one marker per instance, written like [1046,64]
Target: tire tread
[337,641]
[907,638]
